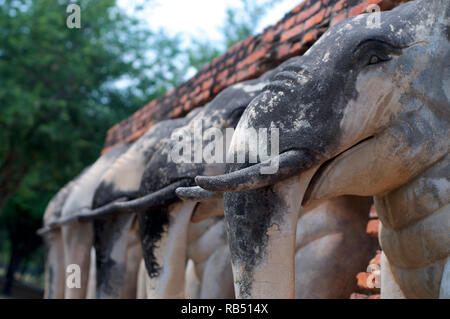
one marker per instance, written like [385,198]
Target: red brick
[372,227]
[316,19]
[206,95]
[184,98]
[289,23]
[269,35]
[252,58]
[248,40]
[135,135]
[221,66]
[378,2]
[241,76]
[295,49]
[195,91]
[283,51]
[207,84]
[309,37]
[291,33]
[231,80]
[251,47]
[340,17]
[358,9]
[187,106]
[253,71]
[305,14]
[215,61]
[328,12]
[222,75]
[230,61]
[219,87]
[299,7]
[340,5]
[362,278]
[176,112]
[235,47]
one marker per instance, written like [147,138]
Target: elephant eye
[373,52]
[375,58]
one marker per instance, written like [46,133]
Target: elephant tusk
[164,196]
[44,230]
[196,194]
[51,226]
[161,197]
[290,163]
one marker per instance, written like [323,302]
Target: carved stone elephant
[78,236]
[54,251]
[121,182]
[364,112]
[169,238]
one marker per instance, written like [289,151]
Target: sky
[199,18]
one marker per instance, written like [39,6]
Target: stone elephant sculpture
[78,236]
[54,251]
[365,111]
[169,238]
[205,242]
[121,182]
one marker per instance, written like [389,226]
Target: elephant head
[364,111]
[54,253]
[77,237]
[206,131]
[111,233]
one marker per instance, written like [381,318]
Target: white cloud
[199,18]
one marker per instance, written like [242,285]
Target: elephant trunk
[262,232]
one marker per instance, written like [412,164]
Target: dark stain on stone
[152,225]
[249,215]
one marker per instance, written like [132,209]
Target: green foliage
[60,91]
[58,95]
[240,23]
[201,53]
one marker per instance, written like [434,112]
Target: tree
[61,89]
[240,23]
[58,94]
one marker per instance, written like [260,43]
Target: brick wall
[291,36]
